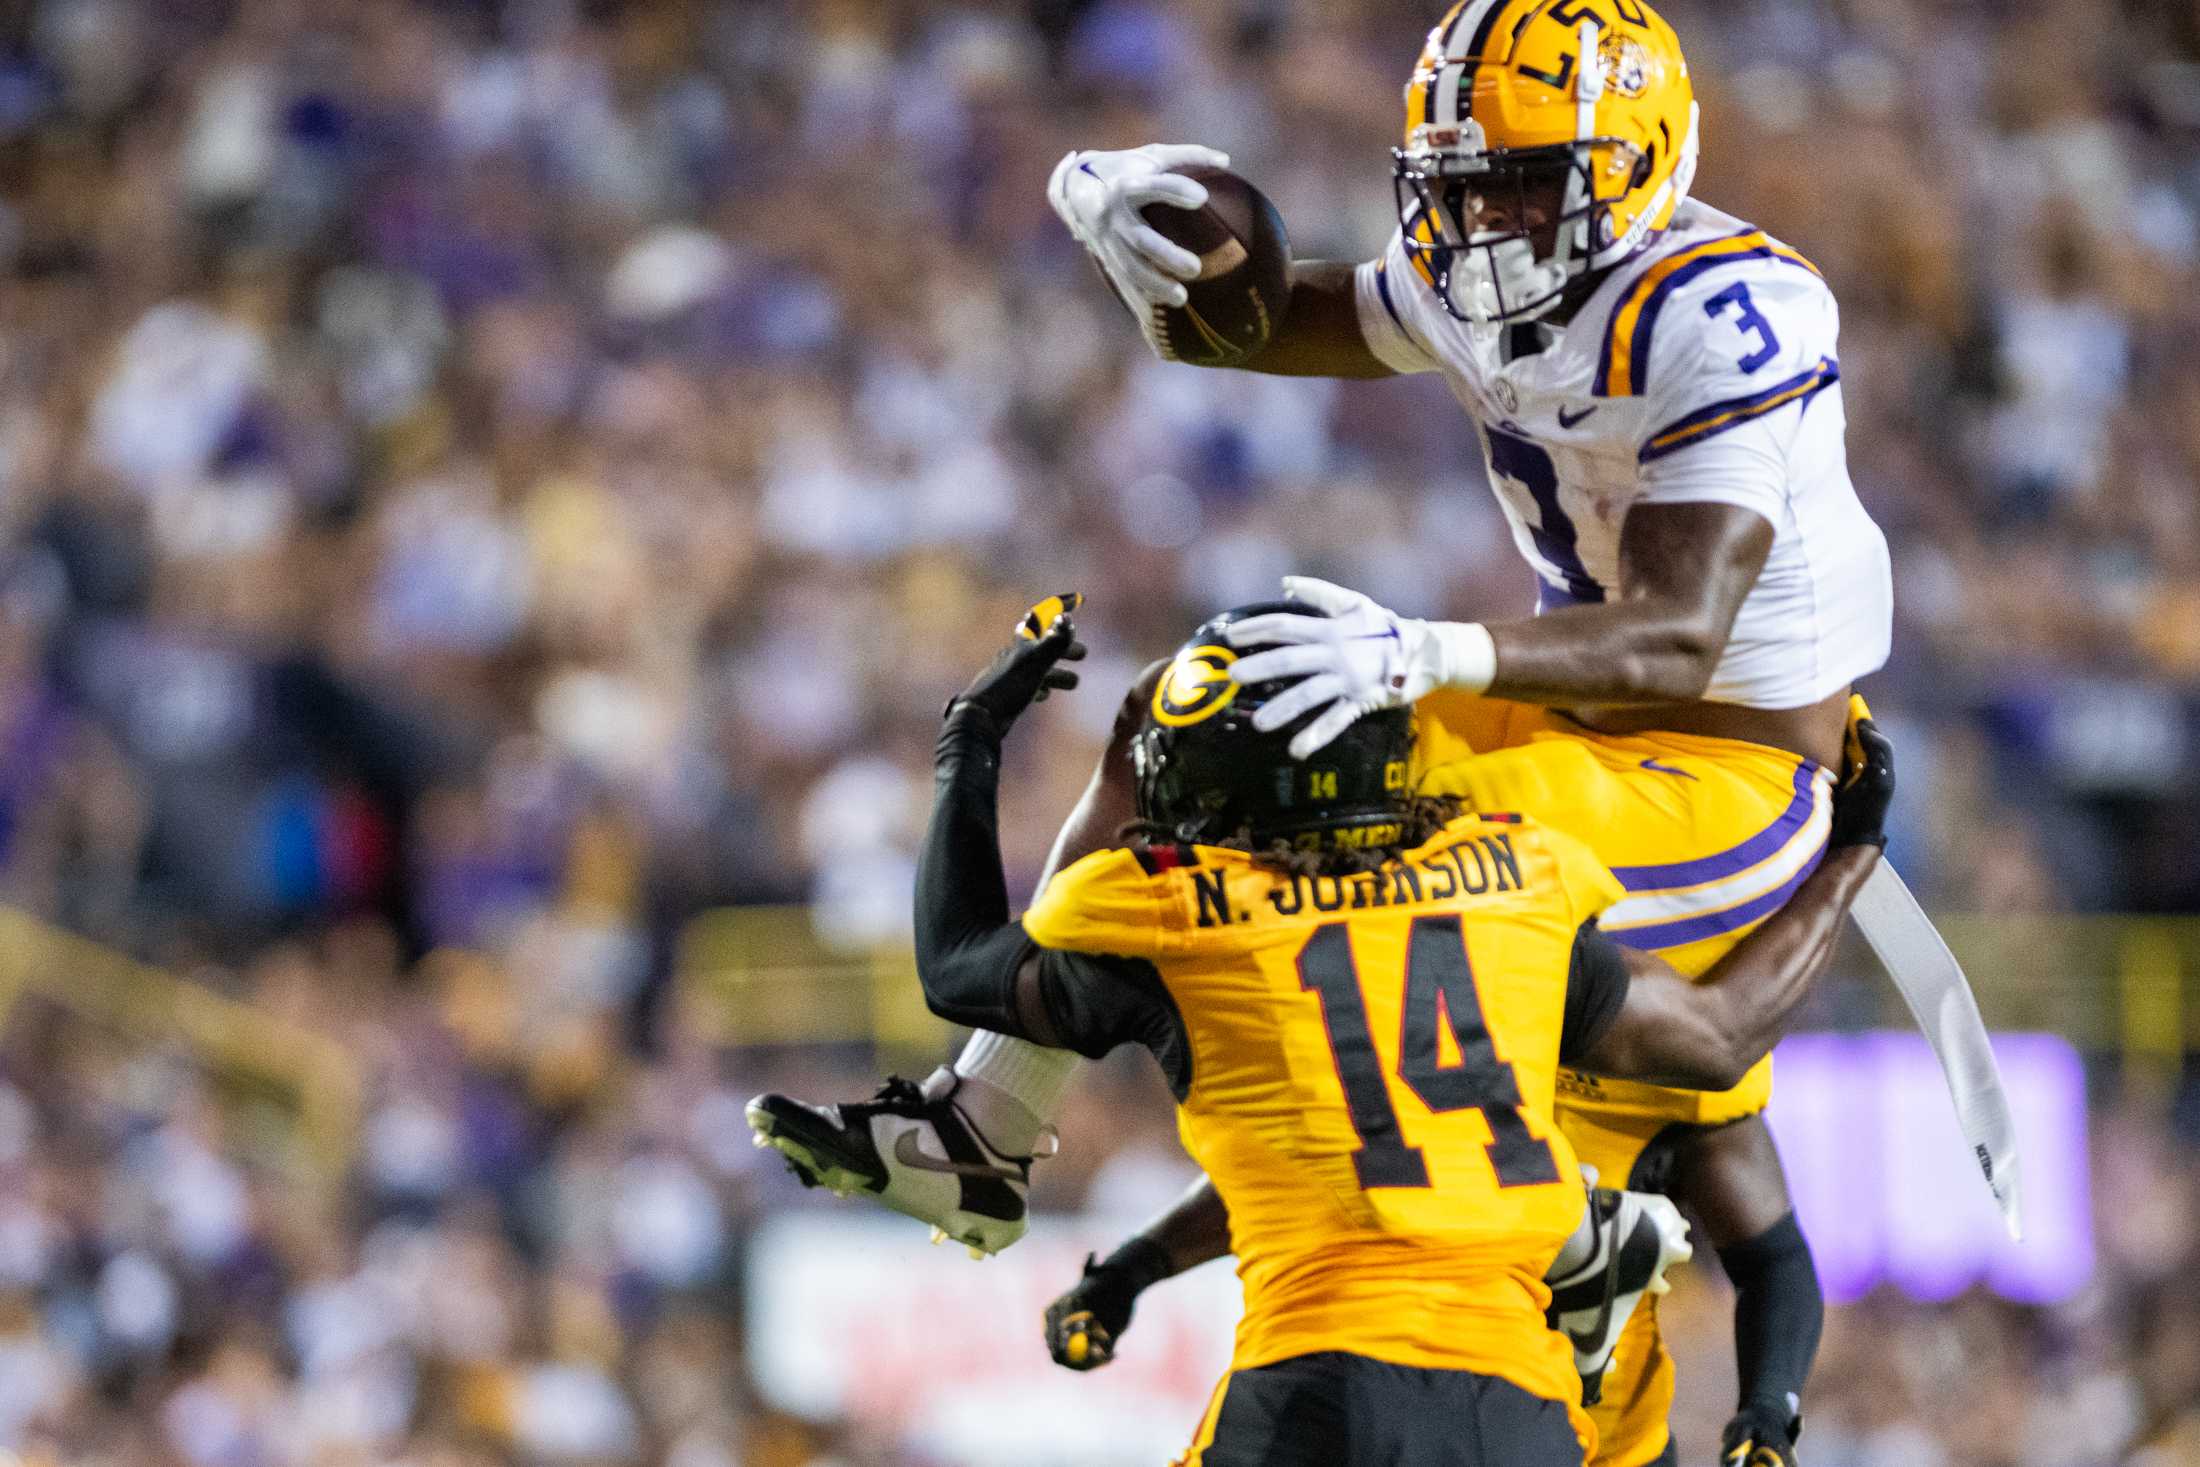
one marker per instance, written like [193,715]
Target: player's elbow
[946,991]
[1724,1070]
[1716,1054]
[967,984]
[1703,1069]
[1739,1046]
[1674,661]
[1680,1049]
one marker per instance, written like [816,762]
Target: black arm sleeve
[1096,1003]
[967,949]
[1596,987]
[1778,1313]
[969,952]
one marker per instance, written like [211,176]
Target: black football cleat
[910,1147]
[1635,1238]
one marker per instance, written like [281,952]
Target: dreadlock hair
[1420,818]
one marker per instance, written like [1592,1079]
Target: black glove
[1867,788]
[1762,1434]
[1027,668]
[1083,1325]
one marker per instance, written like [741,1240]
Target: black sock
[1778,1313]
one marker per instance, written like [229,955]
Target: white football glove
[1099,195]
[1357,658]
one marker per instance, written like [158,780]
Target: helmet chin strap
[1496,274]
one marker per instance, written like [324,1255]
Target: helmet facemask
[1502,233]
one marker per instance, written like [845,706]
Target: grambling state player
[1654,386]
[1360,999]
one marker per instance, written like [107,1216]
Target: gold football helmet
[1544,139]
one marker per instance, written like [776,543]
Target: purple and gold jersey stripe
[1675,903]
[1679,932]
[1382,289]
[1624,365]
[1739,857]
[1716,419]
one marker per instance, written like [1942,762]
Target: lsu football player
[1654,386]
[1361,999]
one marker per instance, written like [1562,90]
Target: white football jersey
[1704,369]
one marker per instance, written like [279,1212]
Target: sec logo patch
[1196,686]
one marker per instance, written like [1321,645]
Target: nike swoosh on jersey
[1654,766]
[908,1154]
[1567,420]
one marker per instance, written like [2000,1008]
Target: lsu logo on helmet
[1626,65]
[1197,686]
[1544,139]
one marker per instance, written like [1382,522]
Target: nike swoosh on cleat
[906,1152]
[1567,420]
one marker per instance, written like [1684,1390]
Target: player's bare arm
[1705,1035]
[1320,334]
[1684,569]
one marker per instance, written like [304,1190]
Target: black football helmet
[1205,774]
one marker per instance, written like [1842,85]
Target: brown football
[1245,271]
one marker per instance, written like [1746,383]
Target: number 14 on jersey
[1439,988]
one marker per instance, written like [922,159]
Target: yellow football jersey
[1372,1064]
[1709,836]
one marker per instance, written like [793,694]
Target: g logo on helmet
[1197,686]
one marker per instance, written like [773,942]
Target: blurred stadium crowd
[484,481]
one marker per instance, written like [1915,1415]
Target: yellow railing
[760,975]
[2110,984]
[294,1094]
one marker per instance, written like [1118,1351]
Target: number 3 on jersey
[1439,982]
[1748,319]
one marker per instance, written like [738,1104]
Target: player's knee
[1779,1249]
[1773,1273]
